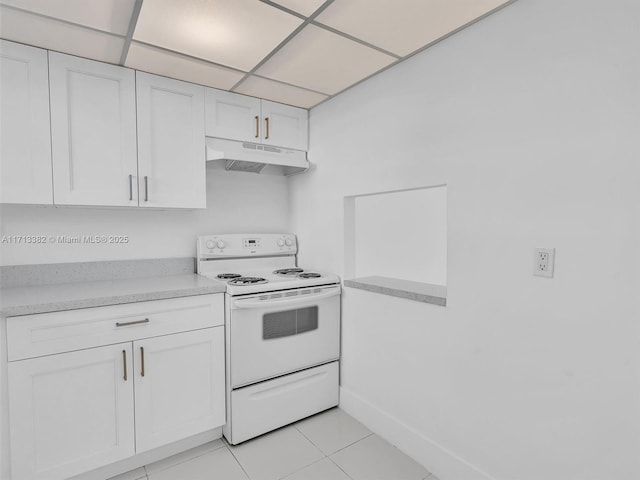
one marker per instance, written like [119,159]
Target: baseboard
[434,457]
[151,456]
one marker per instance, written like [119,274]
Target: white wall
[532,119]
[236,202]
[410,223]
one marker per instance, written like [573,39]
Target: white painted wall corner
[433,456]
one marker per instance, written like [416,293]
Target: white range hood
[256,158]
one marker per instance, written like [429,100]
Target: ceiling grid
[285,41]
[300,52]
[132,27]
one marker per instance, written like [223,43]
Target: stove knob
[220,244]
[288,242]
[210,244]
[280,242]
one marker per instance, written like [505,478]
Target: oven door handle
[304,298]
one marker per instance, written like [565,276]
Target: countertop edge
[407,292]
[101,299]
[104,301]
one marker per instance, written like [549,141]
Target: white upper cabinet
[285,126]
[93,132]
[232,116]
[171,145]
[25,138]
[248,119]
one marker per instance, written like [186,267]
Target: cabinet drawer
[48,333]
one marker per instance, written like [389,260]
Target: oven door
[272,334]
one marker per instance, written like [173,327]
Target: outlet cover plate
[543,262]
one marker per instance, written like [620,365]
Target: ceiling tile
[238,33]
[62,37]
[419,21]
[174,65]
[279,92]
[108,15]
[304,7]
[323,61]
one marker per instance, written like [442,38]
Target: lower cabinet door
[71,412]
[180,387]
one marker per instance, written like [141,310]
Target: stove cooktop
[248,281]
[228,276]
[259,281]
[289,272]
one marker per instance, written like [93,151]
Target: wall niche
[396,243]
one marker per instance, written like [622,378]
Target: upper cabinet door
[25,141]
[93,132]
[171,146]
[233,116]
[285,126]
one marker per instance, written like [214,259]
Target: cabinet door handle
[135,322]
[130,187]
[146,188]
[142,361]
[257,126]
[266,121]
[124,363]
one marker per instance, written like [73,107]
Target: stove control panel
[246,245]
[252,243]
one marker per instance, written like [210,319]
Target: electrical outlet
[543,261]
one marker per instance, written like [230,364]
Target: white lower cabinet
[71,412]
[178,392]
[74,411]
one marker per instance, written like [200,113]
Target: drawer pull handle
[146,188]
[135,322]
[142,361]
[124,363]
[257,126]
[266,121]
[130,187]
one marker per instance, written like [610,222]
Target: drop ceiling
[299,52]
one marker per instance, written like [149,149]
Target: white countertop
[17,301]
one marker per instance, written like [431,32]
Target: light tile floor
[329,446]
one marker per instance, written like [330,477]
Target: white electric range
[282,326]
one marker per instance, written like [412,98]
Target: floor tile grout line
[228,447]
[341,469]
[351,444]
[302,468]
[310,441]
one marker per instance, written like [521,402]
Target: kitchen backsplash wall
[531,119]
[236,203]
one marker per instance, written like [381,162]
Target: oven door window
[289,322]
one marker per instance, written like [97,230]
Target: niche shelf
[396,243]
